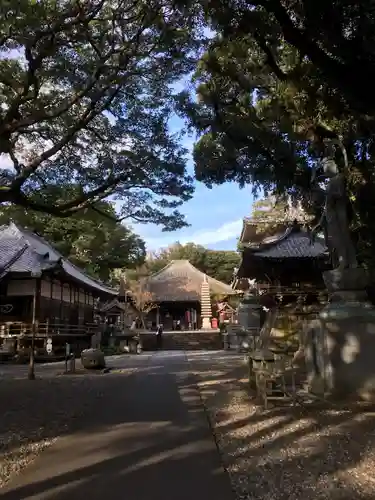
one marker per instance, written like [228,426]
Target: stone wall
[189,340]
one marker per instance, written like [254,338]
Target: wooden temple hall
[286,260]
[43,295]
[183,296]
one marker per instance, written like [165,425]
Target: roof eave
[290,257]
[246,224]
[99,288]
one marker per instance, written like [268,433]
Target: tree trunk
[143,321]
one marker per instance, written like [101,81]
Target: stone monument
[93,359]
[206,312]
[249,314]
[340,342]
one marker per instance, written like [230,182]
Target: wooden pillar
[157,316]
[61,302]
[35,316]
[71,303]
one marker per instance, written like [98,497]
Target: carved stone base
[249,312]
[355,279]
[340,343]
[206,324]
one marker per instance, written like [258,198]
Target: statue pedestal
[206,324]
[340,345]
[249,312]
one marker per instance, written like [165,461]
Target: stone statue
[339,342]
[334,218]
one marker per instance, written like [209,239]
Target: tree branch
[86,117]
[348,78]
[270,58]
[13,121]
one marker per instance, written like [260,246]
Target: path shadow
[311,452]
[165,457]
[145,436]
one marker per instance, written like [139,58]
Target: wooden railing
[20,329]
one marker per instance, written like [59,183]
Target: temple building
[281,274]
[43,295]
[178,290]
[288,258]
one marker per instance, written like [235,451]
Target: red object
[187,316]
[214,322]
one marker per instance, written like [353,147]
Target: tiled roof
[38,255]
[252,226]
[181,281]
[112,304]
[292,244]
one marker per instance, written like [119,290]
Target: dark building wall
[170,312]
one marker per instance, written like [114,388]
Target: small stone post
[206,311]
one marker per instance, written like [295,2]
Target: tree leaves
[90,239]
[85,97]
[246,121]
[274,70]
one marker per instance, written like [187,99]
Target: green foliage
[273,71]
[330,42]
[85,97]
[220,264]
[89,239]
[248,128]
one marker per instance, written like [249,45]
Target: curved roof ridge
[278,239]
[188,268]
[31,238]
[60,256]
[299,245]
[166,267]
[274,240]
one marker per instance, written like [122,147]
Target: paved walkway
[159,446]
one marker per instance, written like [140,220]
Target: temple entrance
[175,316]
[182,295]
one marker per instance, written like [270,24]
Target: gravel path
[35,413]
[286,453]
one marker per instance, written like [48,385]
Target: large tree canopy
[260,89]
[89,239]
[252,123]
[337,37]
[85,97]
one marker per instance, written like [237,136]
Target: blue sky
[215,215]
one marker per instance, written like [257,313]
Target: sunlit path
[149,439]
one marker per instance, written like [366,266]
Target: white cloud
[225,232]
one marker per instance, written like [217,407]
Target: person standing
[159,337]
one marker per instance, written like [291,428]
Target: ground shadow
[311,452]
[142,435]
[151,446]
